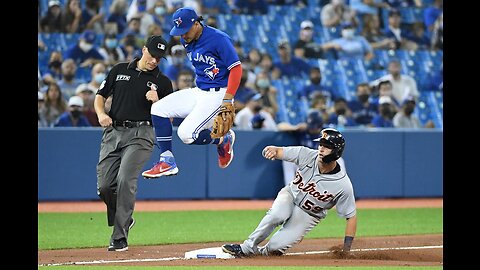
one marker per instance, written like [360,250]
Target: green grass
[237,267]
[77,230]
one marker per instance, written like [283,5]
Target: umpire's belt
[131,124]
[216,89]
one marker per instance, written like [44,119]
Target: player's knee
[185,135]
[159,110]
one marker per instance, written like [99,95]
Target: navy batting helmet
[333,139]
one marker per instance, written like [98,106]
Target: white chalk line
[181,258]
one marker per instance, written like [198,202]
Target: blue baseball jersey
[212,55]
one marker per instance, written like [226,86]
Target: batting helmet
[333,139]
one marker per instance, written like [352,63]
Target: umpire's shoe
[233,249]
[118,245]
[225,149]
[165,167]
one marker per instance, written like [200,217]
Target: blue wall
[381,163]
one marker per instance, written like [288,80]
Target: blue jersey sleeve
[227,51]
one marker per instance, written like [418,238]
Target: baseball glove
[223,121]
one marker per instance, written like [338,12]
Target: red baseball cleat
[165,167]
[225,150]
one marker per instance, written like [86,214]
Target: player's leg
[107,170]
[196,127]
[292,232]
[280,211]
[138,145]
[177,104]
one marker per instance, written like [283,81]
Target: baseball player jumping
[208,108]
[320,183]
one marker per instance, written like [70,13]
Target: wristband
[228,100]
[347,243]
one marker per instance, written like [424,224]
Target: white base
[208,253]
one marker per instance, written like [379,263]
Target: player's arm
[350,232]
[99,105]
[233,82]
[272,152]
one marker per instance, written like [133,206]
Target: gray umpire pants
[123,153]
[295,222]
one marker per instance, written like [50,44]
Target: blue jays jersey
[212,55]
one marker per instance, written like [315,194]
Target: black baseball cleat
[233,249]
[118,245]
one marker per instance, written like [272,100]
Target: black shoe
[118,245]
[233,249]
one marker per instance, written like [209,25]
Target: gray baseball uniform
[301,204]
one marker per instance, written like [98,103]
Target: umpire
[128,136]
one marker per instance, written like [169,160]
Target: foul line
[180,258]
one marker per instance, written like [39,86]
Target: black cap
[157,46]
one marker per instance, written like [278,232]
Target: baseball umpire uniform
[320,183]
[128,137]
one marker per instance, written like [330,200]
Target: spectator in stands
[52,21]
[319,103]
[212,21]
[146,19]
[54,72]
[405,118]
[402,85]
[336,13]
[87,92]
[71,17]
[130,46]
[253,116]
[419,36]
[266,65]
[315,86]
[161,16]
[243,92]
[177,62]
[305,47]
[363,7]
[437,34]
[290,66]
[69,82]
[254,57]
[403,38]
[363,109]
[73,117]
[133,27]
[252,7]
[111,51]
[385,89]
[385,114]
[431,14]
[351,45]
[54,105]
[154,30]
[42,122]
[84,52]
[371,32]
[92,16]
[342,115]
[268,92]
[118,16]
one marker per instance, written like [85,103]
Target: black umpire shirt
[129,85]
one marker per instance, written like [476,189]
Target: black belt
[216,89]
[130,124]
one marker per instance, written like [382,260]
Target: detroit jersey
[212,55]
[315,192]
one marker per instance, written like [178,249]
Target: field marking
[364,249]
[182,258]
